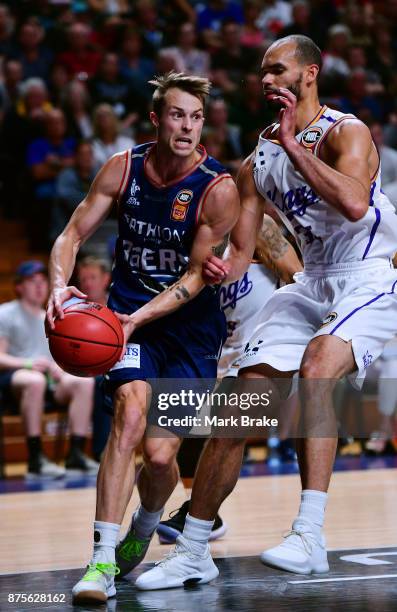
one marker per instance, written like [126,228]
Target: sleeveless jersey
[323,234]
[157,226]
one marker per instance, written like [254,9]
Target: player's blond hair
[194,85]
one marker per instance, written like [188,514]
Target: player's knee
[161,459]
[130,420]
[311,368]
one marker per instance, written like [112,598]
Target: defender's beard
[294,88]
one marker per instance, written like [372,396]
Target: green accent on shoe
[94,571]
[131,547]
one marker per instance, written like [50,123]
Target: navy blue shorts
[173,347]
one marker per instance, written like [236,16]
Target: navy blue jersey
[157,225]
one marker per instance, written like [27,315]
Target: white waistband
[345,268]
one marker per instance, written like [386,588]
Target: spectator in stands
[213,13]
[336,53]
[357,59]
[34,56]
[59,78]
[109,7]
[76,104]
[301,22]
[72,185]
[134,66]
[112,87]
[93,278]
[11,86]
[108,140]
[187,57]
[233,61]
[46,157]
[359,17]
[383,57]
[22,124]
[275,16]
[250,112]
[80,58]
[357,101]
[150,24]
[28,372]
[251,34]
[388,159]
[6,30]
[222,133]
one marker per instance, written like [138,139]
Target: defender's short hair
[307,52]
[194,85]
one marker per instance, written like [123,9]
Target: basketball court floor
[45,541]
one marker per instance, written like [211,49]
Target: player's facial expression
[280,68]
[181,122]
[34,289]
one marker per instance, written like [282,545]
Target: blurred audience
[29,376]
[80,58]
[76,104]
[72,185]
[188,58]
[107,137]
[46,158]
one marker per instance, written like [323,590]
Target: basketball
[88,341]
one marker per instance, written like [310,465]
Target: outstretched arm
[344,181]
[87,217]
[218,217]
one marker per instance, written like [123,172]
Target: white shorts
[243,302]
[356,302]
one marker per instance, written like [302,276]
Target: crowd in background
[74,83]
[74,90]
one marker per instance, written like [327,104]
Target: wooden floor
[53,529]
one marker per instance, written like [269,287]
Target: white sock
[145,522]
[197,532]
[106,536]
[312,508]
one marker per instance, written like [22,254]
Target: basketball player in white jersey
[320,169]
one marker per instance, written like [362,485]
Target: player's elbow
[357,211]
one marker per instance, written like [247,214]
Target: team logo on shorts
[311,136]
[180,205]
[329,319]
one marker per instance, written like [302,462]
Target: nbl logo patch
[311,136]
[180,205]
[329,319]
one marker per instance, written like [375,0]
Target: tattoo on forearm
[182,293]
[275,243]
[219,249]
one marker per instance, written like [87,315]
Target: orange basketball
[88,341]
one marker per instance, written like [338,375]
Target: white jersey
[243,302]
[323,234]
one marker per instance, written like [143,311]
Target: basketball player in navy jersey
[320,170]
[175,207]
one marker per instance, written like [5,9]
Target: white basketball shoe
[302,552]
[181,567]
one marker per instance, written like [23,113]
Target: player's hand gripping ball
[88,341]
